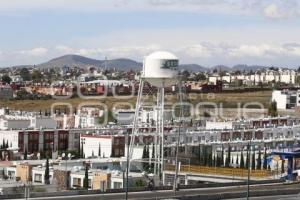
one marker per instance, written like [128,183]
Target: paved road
[168,194]
[281,197]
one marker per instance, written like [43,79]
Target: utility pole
[175,186]
[248,161]
[176,161]
[127,167]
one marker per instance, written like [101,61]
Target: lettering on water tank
[169,64]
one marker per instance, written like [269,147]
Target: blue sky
[207,32]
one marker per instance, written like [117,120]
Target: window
[116,141]
[76,182]
[90,183]
[121,152]
[117,152]
[38,178]
[117,185]
[103,185]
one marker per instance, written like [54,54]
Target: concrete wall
[91,144]
[45,123]
[14,124]
[23,171]
[101,181]
[281,99]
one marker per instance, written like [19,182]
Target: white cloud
[263,50]
[197,50]
[282,9]
[272,11]
[75,5]
[64,49]
[267,8]
[39,51]
[204,53]
[128,51]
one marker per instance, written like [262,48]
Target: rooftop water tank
[161,68]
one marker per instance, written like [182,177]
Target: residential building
[6,91]
[286,99]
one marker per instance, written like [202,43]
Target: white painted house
[286,99]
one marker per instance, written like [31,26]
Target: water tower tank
[161,67]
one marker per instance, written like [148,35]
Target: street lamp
[63,155]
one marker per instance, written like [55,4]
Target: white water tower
[160,69]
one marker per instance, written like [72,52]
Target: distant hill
[193,67]
[222,68]
[128,64]
[84,62]
[242,68]
[121,63]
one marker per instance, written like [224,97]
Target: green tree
[25,153]
[47,173]
[210,157]
[185,75]
[298,78]
[144,158]
[253,160]
[248,157]
[147,157]
[200,77]
[23,94]
[99,150]
[228,158]
[206,156]
[265,159]
[272,109]
[152,158]
[6,79]
[37,76]
[282,166]
[86,178]
[25,74]
[222,157]
[81,150]
[242,162]
[218,161]
[237,161]
[259,160]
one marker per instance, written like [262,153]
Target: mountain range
[128,64]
